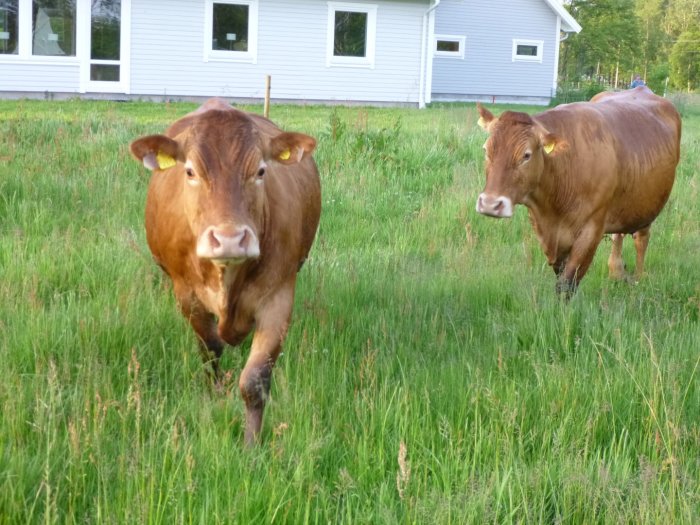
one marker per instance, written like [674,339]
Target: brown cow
[583,170]
[232,210]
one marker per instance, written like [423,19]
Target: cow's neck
[550,207]
[231,281]
[552,196]
[221,287]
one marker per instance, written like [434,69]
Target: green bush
[576,93]
[656,78]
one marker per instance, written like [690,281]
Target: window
[39,30]
[351,34]
[53,27]
[105,40]
[449,46]
[8,27]
[527,50]
[231,31]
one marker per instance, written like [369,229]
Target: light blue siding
[487,69]
[38,76]
[168,59]
[168,56]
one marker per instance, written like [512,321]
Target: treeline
[656,39]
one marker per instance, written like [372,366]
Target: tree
[658,39]
[685,61]
[682,16]
[653,38]
[609,45]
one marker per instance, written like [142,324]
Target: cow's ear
[289,148]
[156,152]
[486,118]
[552,144]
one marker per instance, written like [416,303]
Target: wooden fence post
[266,107]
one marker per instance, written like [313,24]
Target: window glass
[104,73]
[526,50]
[105,29]
[448,46]
[230,27]
[350,36]
[8,27]
[53,27]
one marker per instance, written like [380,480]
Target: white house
[359,51]
[506,51]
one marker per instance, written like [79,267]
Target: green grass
[418,326]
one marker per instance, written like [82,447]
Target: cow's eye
[526,156]
[190,173]
[261,172]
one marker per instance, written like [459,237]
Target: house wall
[168,58]
[488,69]
[291,48]
[20,76]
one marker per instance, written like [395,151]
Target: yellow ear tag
[165,160]
[549,148]
[285,154]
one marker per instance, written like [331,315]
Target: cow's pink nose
[494,206]
[218,238]
[226,244]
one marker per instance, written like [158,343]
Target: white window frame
[366,61]
[220,55]
[460,39]
[124,62]
[24,38]
[527,58]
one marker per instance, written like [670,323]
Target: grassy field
[430,374]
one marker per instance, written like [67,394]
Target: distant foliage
[685,61]
[623,38]
[577,92]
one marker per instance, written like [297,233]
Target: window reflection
[105,29]
[53,27]
[8,27]
[230,30]
[350,34]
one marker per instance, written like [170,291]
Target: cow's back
[623,149]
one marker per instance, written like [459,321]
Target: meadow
[430,374]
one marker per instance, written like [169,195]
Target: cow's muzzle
[494,206]
[228,245]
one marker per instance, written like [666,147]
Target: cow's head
[516,151]
[221,160]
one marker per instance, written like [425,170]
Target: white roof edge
[568,24]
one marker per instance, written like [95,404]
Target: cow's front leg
[203,323]
[559,265]
[271,329]
[556,247]
[580,258]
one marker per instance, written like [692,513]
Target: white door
[105,66]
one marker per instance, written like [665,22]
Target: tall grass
[430,374]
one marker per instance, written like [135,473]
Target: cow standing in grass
[584,170]
[232,210]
